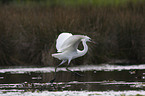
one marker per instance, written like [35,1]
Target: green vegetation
[28,33]
[70,2]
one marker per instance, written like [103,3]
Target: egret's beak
[93,41]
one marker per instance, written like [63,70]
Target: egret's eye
[90,39]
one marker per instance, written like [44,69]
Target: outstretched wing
[71,43]
[61,39]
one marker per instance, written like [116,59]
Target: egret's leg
[70,70]
[55,71]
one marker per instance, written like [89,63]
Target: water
[98,80]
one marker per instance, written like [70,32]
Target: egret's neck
[84,51]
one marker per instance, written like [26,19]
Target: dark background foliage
[28,31]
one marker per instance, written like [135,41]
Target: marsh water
[96,78]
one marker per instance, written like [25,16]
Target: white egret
[67,48]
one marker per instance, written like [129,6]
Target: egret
[67,48]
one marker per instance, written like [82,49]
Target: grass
[28,33]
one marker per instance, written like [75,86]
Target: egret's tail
[56,55]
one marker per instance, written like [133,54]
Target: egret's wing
[71,43]
[61,39]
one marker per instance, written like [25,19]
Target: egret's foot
[74,72]
[51,81]
[78,74]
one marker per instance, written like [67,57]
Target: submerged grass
[28,33]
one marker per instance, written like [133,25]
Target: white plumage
[67,46]
[60,40]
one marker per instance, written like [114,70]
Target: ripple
[74,93]
[102,67]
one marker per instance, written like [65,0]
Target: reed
[28,33]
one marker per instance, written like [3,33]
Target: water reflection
[92,80]
[101,81]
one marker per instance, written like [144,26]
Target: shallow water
[97,80]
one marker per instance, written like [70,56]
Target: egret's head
[87,39]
